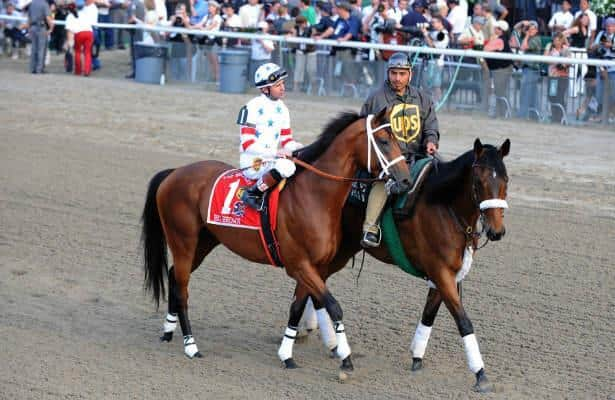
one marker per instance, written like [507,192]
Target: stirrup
[256,201]
[371,239]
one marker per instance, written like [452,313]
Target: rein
[332,177]
[371,142]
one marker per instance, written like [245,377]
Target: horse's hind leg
[423,330]
[206,243]
[170,321]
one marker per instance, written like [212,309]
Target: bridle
[468,230]
[371,142]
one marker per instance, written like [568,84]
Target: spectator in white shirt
[456,17]
[562,19]
[80,25]
[250,14]
[593,20]
[397,13]
[261,48]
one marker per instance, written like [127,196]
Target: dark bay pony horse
[308,229]
[437,237]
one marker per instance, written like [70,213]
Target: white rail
[356,45]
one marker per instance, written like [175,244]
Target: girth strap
[270,242]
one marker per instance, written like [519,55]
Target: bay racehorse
[438,237]
[308,224]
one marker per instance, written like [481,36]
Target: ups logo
[406,122]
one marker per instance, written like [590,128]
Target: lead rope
[360,318]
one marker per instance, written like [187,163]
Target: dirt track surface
[76,155]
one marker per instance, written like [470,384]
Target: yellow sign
[406,122]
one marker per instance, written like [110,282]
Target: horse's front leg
[315,316]
[423,329]
[450,295]
[285,352]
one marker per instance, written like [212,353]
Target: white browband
[492,203]
[371,141]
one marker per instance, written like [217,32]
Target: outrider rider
[265,135]
[414,124]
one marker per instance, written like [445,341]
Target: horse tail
[155,261]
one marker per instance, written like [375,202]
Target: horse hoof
[167,337]
[289,363]
[482,384]
[417,364]
[346,370]
[197,355]
[347,365]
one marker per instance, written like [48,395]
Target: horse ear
[505,148]
[478,148]
[381,117]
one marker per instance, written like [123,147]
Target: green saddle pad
[390,235]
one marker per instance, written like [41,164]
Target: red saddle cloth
[226,207]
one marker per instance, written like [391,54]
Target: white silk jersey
[265,128]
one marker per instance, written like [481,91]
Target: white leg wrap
[309,320]
[343,349]
[190,346]
[170,323]
[419,342]
[475,361]
[286,348]
[327,333]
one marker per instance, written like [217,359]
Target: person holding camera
[414,124]
[501,70]
[604,49]
[305,54]
[558,77]
[473,37]
[530,44]
[265,135]
[437,37]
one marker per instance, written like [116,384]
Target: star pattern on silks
[257,133]
[270,122]
[261,111]
[278,109]
[277,135]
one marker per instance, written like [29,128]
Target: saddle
[359,193]
[226,208]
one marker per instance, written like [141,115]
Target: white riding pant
[284,166]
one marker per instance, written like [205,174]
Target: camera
[603,51]
[386,27]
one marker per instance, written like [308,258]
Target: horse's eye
[383,142]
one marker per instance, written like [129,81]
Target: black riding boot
[253,196]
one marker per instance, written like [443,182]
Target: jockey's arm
[249,142]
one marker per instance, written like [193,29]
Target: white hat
[503,25]
[262,24]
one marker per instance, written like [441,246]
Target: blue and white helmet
[268,74]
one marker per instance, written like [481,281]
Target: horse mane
[446,180]
[334,127]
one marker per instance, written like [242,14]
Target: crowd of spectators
[521,26]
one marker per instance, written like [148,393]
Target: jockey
[414,124]
[265,134]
